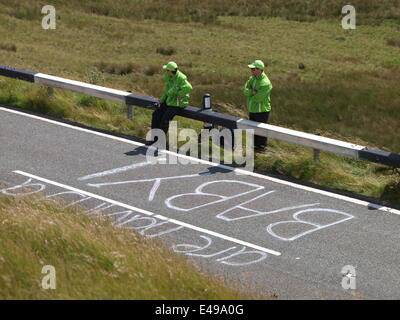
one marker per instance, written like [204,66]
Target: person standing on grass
[257,90]
[175,96]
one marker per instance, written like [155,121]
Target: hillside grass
[329,81]
[207,11]
[93,259]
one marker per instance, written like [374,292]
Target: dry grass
[117,68]
[93,259]
[166,51]
[208,11]
[127,68]
[8,47]
[393,42]
[346,59]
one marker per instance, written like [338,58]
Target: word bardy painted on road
[209,244]
[205,196]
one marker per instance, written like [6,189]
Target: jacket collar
[262,75]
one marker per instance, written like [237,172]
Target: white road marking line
[236,170]
[184,224]
[115,171]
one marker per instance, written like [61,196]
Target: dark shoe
[149,143]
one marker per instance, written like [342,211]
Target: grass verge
[93,259]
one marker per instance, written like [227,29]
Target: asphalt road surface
[268,235]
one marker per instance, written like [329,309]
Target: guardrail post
[207,106]
[129,111]
[50,92]
[316,155]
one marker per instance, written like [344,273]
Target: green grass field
[93,259]
[338,83]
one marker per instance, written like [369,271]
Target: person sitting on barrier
[257,90]
[175,96]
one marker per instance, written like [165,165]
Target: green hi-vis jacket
[260,102]
[176,86]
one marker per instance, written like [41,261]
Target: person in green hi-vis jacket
[175,96]
[257,90]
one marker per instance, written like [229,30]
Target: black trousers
[260,117]
[162,116]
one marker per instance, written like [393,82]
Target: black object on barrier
[17,73]
[379,156]
[207,106]
[141,101]
[217,119]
